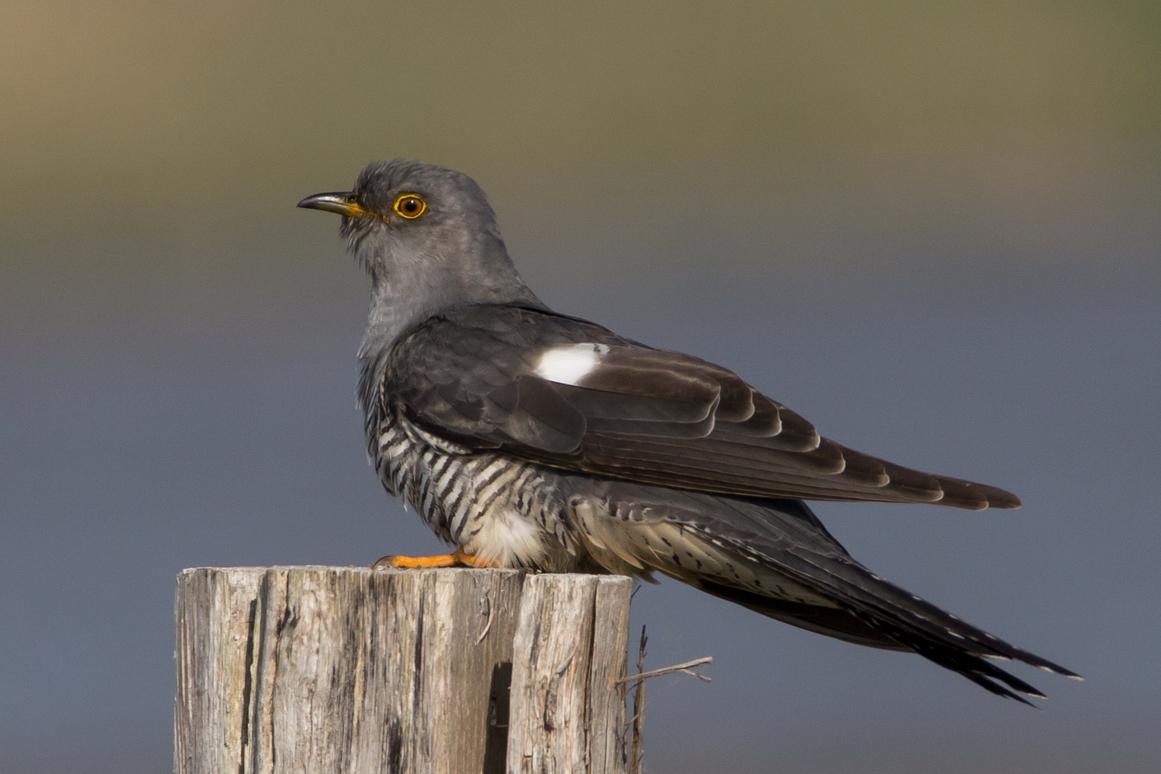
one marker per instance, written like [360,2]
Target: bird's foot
[458,558]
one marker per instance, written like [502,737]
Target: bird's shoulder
[491,330]
[483,348]
[472,373]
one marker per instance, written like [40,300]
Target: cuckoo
[532,439]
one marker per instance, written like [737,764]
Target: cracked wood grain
[568,708]
[323,669]
[319,669]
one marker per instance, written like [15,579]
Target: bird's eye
[410,206]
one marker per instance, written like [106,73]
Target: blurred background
[932,229]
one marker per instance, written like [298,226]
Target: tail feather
[775,557]
[971,665]
[889,631]
[927,630]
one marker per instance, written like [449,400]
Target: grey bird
[531,439]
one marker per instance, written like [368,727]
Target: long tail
[870,610]
[880,614]
[775,557]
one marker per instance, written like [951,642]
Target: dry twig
[636,751]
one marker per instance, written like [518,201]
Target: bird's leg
[458,558]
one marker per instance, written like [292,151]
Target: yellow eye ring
[410,206]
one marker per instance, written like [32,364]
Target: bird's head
[428,238]
[401,211]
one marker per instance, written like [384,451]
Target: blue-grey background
[931,229]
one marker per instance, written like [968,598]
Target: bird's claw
[458,558]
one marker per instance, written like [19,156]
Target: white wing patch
[568,365]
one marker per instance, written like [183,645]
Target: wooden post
[571,645]
[348,670]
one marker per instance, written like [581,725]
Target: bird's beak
[341,203]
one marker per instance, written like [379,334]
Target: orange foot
[458,558]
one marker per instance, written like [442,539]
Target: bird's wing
[573,395]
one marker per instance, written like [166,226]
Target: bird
[531,439]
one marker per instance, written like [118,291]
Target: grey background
[933,231]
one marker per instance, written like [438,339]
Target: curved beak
[340,203]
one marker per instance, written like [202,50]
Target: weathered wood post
[569,656]
[348,670]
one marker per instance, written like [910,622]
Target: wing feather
[631,412]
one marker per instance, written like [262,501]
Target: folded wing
[573,395]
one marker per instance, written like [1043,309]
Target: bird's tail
[776,558]
[880,614]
